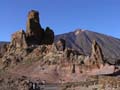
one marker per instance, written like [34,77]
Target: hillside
[81,40]
[2,43]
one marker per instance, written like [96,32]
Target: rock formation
[34,31]
[3,49]
[82,40]
[19,40]
[61,44]
[34,35]
[96,59]
[96,55]
[48,36]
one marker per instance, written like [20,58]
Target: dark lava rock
[34,31]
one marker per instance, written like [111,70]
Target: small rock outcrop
[48,36]
[3,49]
[97,54]
[96,59]
[61,44]
[18,40]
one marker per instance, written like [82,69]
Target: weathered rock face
[3,49]
[48,36]
[61,44]
[18,40]
[34,34]
[97,54]
[96,59]
[23,43]
[34,31]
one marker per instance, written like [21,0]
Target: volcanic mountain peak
[82,41]
[78,31]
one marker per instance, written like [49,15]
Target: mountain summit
[81,40]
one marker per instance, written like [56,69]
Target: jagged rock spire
[34,32]
[96,59]
[34,35]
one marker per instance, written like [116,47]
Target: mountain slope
[3,43]
[82,40]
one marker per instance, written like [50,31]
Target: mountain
[3,43]
[81,40]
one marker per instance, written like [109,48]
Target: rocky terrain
[81,40]
[33,61]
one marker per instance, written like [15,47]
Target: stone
[34,32]
[71,54]
[73,68]
[96,59]
[18,40]
[61,45]
[3,49]
[34,35]
[97,55]
[48,36]
[53,48]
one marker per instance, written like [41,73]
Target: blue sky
[62,16]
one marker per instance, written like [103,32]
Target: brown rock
[48,36]
[3,49]
[34,31]
[34,34]
[19,40]
[61,45]
[96,59]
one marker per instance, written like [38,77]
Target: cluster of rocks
[59,54]
[22,43]
[34,35]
